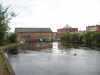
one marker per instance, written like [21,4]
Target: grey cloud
[30,5]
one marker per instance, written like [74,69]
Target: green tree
[96,39]
[80,37]
[75,37]
[12,38]
[88,38]
[65,37]
[6,14]
[72,37]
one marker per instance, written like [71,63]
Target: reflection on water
[13,51]
[55,47]
[54,59]
[70,45]
[37,46]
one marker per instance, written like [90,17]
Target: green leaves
[71,37]
[6,14]
[12,37]
[89,38]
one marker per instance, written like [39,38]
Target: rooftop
[67,26]
[33,30]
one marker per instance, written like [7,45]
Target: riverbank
[5,68]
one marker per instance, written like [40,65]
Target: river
[52,58]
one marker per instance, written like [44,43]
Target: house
[54,36]
[34,34]
[65,30]
[95,28]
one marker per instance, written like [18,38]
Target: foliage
[75,37]
[71,37]
[96,39]
[12,38]
[6,14]
[65,37]
[89,38]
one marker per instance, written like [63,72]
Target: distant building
[81,32]
[54,36]
[34,34]
[95,28]
[65,30]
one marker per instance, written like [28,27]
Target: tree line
[89,38]
[6,14]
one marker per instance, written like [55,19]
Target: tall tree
[12,37]
[6,14]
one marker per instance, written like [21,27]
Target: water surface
[54,59]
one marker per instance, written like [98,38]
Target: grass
[6,43]
[3,66]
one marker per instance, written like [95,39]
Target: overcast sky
[54,14]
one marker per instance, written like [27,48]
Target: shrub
[12,38]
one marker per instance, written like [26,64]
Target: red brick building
[54,36]
[65,30]
[95,28]
[34,34]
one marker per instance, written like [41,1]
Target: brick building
[34,34]
[54,36]
[65,30]
[95,28]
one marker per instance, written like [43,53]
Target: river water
[52,58]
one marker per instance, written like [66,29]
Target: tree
[12,37]
[6,14]
[65,37]
[88,38]
[74,37]
[96,39]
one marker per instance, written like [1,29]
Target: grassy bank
[3,66]
[6,44]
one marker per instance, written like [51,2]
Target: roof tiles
[21,30]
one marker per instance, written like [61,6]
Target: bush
[90,38]
[71,37]
[65,37]
[12,38]
[75,37]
